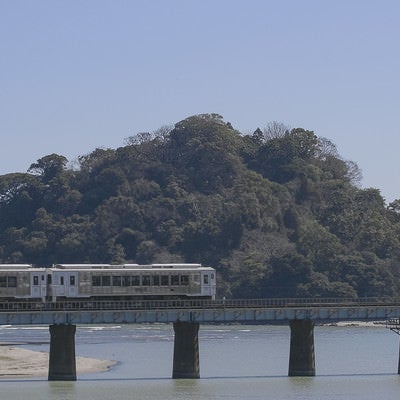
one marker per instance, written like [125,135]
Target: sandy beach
[16,362]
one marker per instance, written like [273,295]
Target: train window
[3,281]
[61,280]
[135,280]
[205,279]
[106,281]
[156,280]
[212,276]
[174,279]
[116,280]
[72,280]
[35,280]
[164,280]
[126,281]
[49,279]
[184,280]
[96,280]
[146,280]
[12,281]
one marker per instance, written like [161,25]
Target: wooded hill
[278,213]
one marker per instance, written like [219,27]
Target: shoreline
[16,362]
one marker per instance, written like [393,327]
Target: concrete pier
[398,367]
[62,362]
[186,351]
[302,358]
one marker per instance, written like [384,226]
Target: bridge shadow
[206,378]
[239,377]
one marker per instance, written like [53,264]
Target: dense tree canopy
[278,212]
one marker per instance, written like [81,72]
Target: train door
[208,284]
[38,284]
[66,283]
[72,284]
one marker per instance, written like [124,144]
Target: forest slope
[278,212]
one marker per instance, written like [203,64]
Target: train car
[153,281]
[22,281]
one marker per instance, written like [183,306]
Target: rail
[120,305]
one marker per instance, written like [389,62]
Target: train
[24,282]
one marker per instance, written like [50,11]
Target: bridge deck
[204,311]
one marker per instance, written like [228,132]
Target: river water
[236,362]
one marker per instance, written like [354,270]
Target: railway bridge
[186,317]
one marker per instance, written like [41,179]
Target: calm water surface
[236,362]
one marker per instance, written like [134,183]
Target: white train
[106,281]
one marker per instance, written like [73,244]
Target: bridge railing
[100,305]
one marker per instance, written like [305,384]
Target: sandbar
[16,362]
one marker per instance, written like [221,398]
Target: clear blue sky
[76,75]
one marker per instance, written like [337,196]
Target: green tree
[279,158]
[48,167]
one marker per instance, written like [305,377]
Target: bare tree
[354,173]
[139,138]
[163,132]
[326,149]
[275,129]
[160,134]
